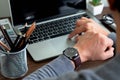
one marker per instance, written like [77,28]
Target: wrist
[73,55]
[82,57]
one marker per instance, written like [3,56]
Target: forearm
[57,67]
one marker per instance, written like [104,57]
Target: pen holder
[13,64]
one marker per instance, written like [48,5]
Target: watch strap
[74,57]
[77,62]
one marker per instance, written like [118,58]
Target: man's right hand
[94,46]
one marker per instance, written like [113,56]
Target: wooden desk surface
[32,66]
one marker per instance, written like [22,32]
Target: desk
[32,66]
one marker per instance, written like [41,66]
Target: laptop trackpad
[62,43]
[41,50]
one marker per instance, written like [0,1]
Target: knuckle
[77,22]
[82,17]
[91,20]
[98,35]
[101,38]
[88,26]
[111,41]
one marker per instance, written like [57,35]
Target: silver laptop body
[50,47]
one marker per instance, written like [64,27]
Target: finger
[107,42]
[80,27]
[82,21]
[84,18]
[76,31]
[109,53]
[77,38]
[110,42]
[87,19]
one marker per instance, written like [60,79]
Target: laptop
[55,19]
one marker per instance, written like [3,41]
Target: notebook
[55,19]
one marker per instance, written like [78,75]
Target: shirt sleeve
[55,68]
[61,69]
[110,70]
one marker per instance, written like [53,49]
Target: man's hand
[85,24]
[94,46]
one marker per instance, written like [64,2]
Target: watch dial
[71,53]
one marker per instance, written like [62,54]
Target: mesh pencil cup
[13,64]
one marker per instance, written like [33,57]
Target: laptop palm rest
[54,48]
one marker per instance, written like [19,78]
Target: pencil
[20,44]
[30,30]
[4,32]
[4,46]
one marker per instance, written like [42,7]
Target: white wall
[105,3]
[4,8]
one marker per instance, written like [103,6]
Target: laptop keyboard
[54,29]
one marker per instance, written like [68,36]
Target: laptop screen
[23,11]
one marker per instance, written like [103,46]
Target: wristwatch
[72,54]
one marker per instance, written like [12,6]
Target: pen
[20,43]
[16,42]
[17,39]
[4,46]
[4,32]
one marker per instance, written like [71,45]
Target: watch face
[71,53]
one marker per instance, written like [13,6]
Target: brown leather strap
[77,62]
